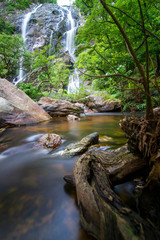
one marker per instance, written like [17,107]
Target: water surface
[35,202]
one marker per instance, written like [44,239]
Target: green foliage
[23,4]
[103,51]
[62,94]
[85,8]
[6,27]
[80,94]
[17,4]
[11,50]
[105,96]
[60,74]
[31,90]
[52,72]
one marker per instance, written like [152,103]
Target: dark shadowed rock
[81,146]
[56,107]
[16,108]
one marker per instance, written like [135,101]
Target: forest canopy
[119,47]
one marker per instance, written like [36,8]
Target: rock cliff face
[46,26]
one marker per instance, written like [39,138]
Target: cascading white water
[50,43]
[25,22]
[74,84]
[70,35]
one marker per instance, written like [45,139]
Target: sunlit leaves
[120,48]
[11,50]
[51,71]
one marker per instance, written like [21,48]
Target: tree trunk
[144,79]
[158,64]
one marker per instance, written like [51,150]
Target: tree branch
[110,75]
[86,4]
[149,110]
[140,45]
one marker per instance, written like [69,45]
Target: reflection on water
[35,202]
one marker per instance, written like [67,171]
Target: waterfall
[74,84]
[50,43]
[24,27]
[70,35]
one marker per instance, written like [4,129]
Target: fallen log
[120,164]
[103,214]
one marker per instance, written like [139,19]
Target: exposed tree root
[144,139]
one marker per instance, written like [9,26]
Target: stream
[35,202]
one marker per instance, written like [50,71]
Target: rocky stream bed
[103,214]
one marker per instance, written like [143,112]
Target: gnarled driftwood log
[102,213]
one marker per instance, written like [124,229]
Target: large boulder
[97,104]
[57,107]
[16,108]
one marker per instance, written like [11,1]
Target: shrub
[31,90]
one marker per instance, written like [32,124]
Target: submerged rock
[16,108]
[57,107]
[81,146]
[49,140]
